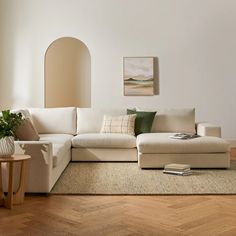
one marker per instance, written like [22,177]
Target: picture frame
[138,76]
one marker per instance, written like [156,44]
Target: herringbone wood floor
[121,215]
[57,215]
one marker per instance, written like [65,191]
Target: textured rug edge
[202,182]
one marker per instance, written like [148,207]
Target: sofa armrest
[40,165]
[208,129]
[41,149]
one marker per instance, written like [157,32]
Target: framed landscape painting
[138,76]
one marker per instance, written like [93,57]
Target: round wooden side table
[17,197]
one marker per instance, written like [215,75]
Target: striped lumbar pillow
[118,124]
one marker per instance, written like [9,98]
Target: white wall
[194,40]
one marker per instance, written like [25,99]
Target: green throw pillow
[143,121]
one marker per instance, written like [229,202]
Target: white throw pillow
[119,124]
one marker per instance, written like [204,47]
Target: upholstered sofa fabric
[207,129]
[61,143]
[54,120]
[195,160]
[100,140]
[162,143]
[90,120]
[41,175]
[104,154]
[173,120]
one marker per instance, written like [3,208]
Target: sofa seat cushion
[61,143]
[104,140]
[162,143]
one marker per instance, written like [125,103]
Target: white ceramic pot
[7,147]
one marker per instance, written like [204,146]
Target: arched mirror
[67,74]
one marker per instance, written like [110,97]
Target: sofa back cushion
[173,120]
[54,120]
[90,120]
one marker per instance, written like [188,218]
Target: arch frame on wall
[81,94]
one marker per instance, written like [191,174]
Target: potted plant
[8,125]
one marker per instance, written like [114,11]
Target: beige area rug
[128,178]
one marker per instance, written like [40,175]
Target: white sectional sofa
[73,134]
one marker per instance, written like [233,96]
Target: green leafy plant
[9,123]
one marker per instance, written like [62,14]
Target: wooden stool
[18,197]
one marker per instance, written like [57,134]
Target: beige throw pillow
[26,131]
[118,124]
